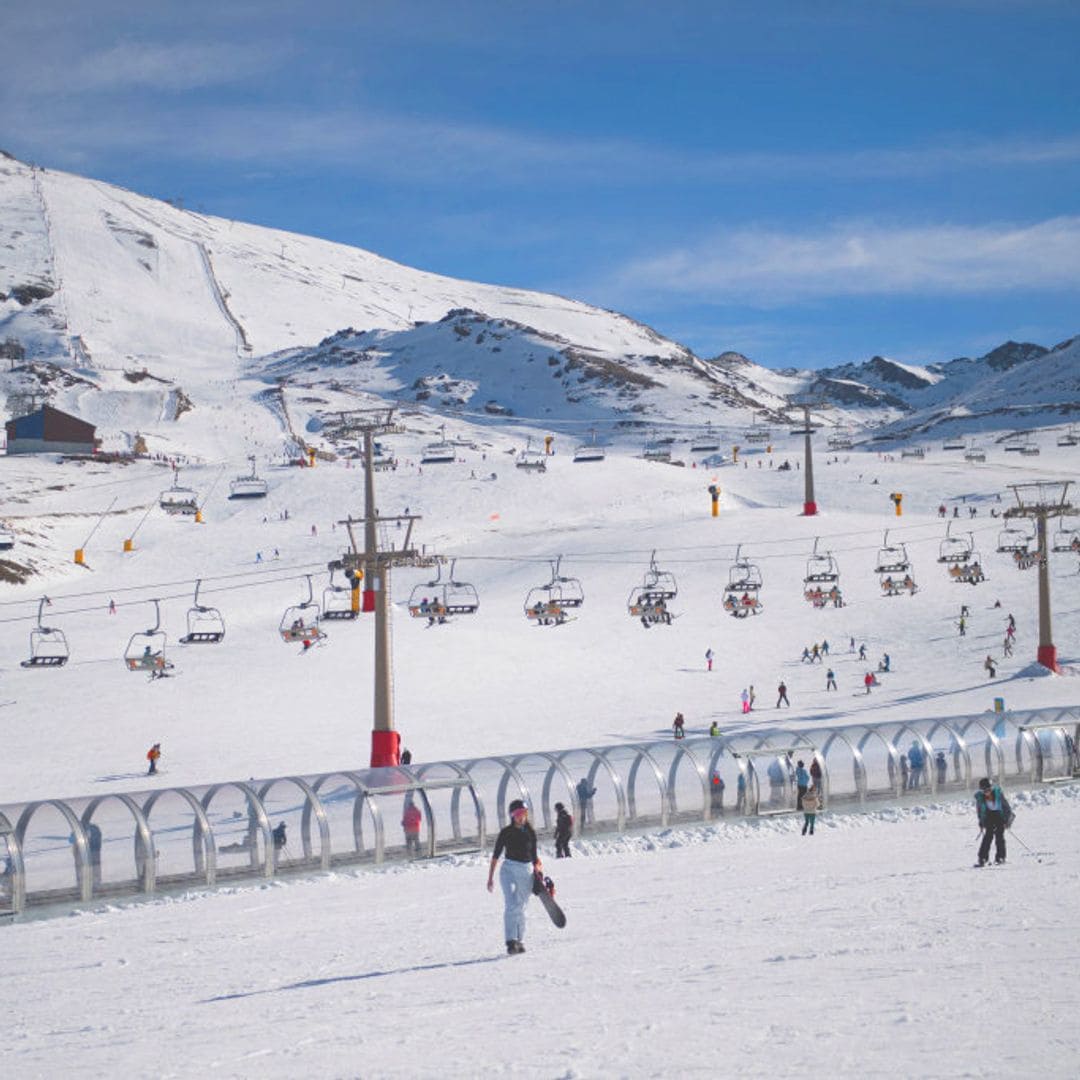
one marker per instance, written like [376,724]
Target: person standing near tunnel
[517,841]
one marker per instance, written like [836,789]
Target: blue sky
[807,183]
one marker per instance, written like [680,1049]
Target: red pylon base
[809,509]
[385,749]
[368,603]
[1047,656]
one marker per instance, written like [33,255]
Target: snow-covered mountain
[199,333]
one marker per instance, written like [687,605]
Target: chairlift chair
[248,487]
[1012,539]
[547,604]
[971,571]
[460,597]
[301,621]
[146,650]
[178,499]
[337,601]
[954,549]
[744,582]
[655,451]
[892,558]
[1066,537]
[589,451]
[975,455]
[382,458]
[1070,438]
[953,444]
[648,601]
[48,645]
[531,460]
[821,586]
[205,626]
[7,538]
[439,452]
[706,442]
[840,439]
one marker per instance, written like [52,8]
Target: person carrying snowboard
[564,829]
[518,842]
[995,816]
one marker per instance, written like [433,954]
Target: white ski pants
[516,879]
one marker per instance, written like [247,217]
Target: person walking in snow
[868,680]
[802,784]
[112,607]
[716,792]
[744,697]
[1012,622]
[679,724]
[824,648]
[862,651]
[995,816]
[988,664]
[806,657]
[830,680]
[564,829]
[153,755]
[411,821]
[811,803]
[752,698]
[962,626]
[781,695]
[1007,646]
[708,659]
[585,793]
[816,776]
[517,841]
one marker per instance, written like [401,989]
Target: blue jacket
[997,796]
[802,777]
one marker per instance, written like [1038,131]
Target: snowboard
[544,888]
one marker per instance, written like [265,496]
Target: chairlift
[301,621]
[1066,537]
[975,455]
[589,451]
[821,586]
[656,450]
[547,604]
[437,600]
[48,645]
[916,452]
[969,572]
[705,442]
[1016,442]
[205,626]
[382,457]
[648,601]
[757,433]
[531,460]
[1070,438]
[146,650]
[954,443]
[1013,539]
[439,452]
[178,499]
[337,601]
[954,549]
[251,486]
[1029,450]
[744,582]
[840,439]
[894,569]
[7,538]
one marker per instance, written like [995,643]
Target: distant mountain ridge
[143,317]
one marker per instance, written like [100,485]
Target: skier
[988,664]
[851,645]
[781,692]
[714,729]
[885,663]
[1007,646]
[824,648]
[708,659]
[518,841]
[806,657]
[964,612]
[810,805]
[564,829]
[744,697]
[112,607]
[962,624]
[678,724]
[153,755]
[410,823]
[802,784]
[1012,622]
[830,680]
[868,681]
[995,816]
[862,651]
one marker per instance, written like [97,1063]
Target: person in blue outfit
[517,841]
[585,793]
[995,816]
[802,784]
[916,759]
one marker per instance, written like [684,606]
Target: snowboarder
[518,842]
[411,820]
[810,806]
[995,816]
[564,829]
[153,755]
[830,680]
[708,659]
[988,664]
[781,695]
[678,724]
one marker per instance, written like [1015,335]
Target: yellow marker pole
[735,455]
[714,492]
[898,499]
[354,598]
[548,440]
[80,559]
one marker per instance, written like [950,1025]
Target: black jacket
[519,844]
[564,825]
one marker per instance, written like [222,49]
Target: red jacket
[411,819]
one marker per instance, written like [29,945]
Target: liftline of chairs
[557,600]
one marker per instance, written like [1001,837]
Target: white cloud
[769,267]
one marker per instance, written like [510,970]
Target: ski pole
[1038,857]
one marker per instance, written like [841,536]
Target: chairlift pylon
[301,621]
[146,649]
[205,625]
[48,644]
